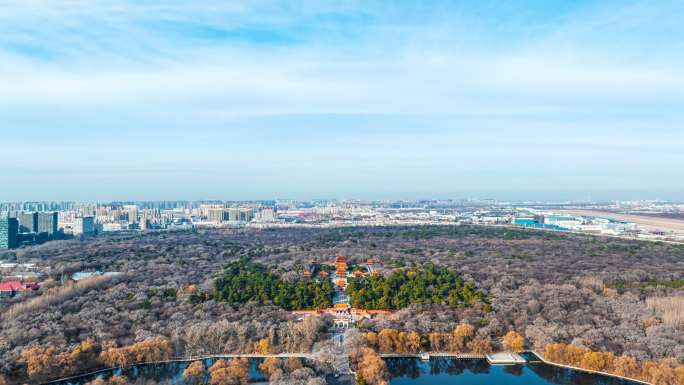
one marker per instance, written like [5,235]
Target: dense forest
[243,281]
[598,294]
[428,284]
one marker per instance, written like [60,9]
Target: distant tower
[9,228]
[144,222]
[47,223]
[84,225]
[28,222]
[132,211]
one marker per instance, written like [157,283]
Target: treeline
[155,349]
[429,284]
[243,281]
[290,371]
[222,372]
[429,232]
[462,339]
[371,369]
[652,283]
[656,373]
[235,372]
[45,363]
[253,333]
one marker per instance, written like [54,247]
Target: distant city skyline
[37,206]
[32,223]
[385,100]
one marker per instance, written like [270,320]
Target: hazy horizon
[385,100]
[518,197]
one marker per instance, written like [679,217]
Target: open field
[649,222]
[678,216]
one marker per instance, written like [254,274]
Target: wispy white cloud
[77,52]
[155,73]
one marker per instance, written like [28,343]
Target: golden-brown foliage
[235,373]
[371,367]
[464,330]
[513,341]
[656,373]
[194,371]
[394,341]
[47,362]
[371,339]
[270,366]
[262,346]
[387,340]
[460,336]
[648,322]
[610,293]
[154,349]
[597,361]
[679,374]
[459,340]
[39,361]
[625,366]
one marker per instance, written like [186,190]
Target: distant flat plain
[647,221]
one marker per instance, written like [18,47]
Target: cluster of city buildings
[31,228]
[29,223]
[26,223]
[564,222]
[595,218]
[219,214]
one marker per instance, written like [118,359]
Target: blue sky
[529,99]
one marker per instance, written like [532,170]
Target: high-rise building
[215,215]
[28,222]
[9,228]
[246,215]
[132,211]
[144,221]
[47,223]
[84,226]
[266,215]
[205,209]
[233,214]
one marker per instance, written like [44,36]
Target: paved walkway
[462,356]
[342,351]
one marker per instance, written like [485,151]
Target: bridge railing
[544,360]
[179,359]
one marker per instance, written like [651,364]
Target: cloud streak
[174,77]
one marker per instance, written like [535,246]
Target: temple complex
[343,314]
